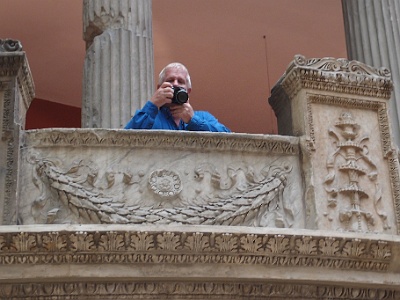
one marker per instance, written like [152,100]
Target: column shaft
[118,68]
[372,35]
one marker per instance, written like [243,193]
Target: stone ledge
[129,252]
[336,75]
[164,139]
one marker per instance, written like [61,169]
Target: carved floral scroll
[350,158]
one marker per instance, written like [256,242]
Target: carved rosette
[165,184]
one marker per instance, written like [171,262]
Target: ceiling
[235,50]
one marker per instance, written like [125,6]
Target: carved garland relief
[240,196]
[139,187]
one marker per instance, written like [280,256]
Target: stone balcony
[311,213]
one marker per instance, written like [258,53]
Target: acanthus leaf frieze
[178,247]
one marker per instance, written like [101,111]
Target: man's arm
[204,121]
[143,118]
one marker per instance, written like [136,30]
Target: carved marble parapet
[16,93]
[158,262]
[160,177]
[338,108]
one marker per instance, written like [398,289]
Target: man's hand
[163,95]
[184,112]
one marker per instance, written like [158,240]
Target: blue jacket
[150,117]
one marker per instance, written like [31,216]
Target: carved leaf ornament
[349,166]
[256,202]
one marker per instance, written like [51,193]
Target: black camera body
[180,95]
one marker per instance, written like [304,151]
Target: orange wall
[47,114]
[233,67]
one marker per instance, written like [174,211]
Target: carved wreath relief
[354,192]
[84,193]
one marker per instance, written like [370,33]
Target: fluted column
[118,68]
[372,36]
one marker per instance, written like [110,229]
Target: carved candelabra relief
[88,192]
[352,183]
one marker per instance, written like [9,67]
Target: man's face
[177,77]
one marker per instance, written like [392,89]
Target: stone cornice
[291,256]
[197,141]
[14,63]
[200,289]
[119,244]
[336,75]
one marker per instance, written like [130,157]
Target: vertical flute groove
[119,61]
[373,37]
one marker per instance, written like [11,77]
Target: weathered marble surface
[378,47]
[16,93]
[123,214]
[160,177]
[195,262]
[339,108]
[118,75]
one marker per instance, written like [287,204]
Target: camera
[180,95]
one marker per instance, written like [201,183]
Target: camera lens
[182,96]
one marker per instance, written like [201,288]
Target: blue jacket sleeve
[143,118]
[204,121]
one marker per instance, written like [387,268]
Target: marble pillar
[339,109]
[16,94]
[373,37]
[118,69]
